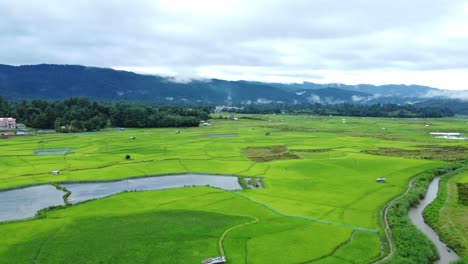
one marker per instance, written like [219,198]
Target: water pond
[448,135]
[93,190]
[25,202]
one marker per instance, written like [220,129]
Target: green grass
[332,179]
[161,237]
[463,178]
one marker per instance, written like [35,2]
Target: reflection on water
[25,202]
[86,191]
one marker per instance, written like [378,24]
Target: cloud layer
[356,41]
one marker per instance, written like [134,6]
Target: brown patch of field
[373,135]
[445,153]
[287,128]
[311,150]
[269,153]
[462,193]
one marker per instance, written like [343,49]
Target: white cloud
[357,41]
[462,95]
[357,98]
[314,99]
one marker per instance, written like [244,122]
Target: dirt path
[384,213]
[223,236]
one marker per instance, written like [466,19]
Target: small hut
[5,135]
[215,260]
[55,172]
[127,157]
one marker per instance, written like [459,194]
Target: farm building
[7,123]
[5,135]
[381,180]
[21,126]
[215,260]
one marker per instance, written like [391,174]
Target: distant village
[8,124]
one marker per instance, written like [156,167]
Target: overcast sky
[326,41]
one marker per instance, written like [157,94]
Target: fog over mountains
[47,81]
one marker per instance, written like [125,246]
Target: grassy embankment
[448,214]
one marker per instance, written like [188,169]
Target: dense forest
[375,110]
[81,114]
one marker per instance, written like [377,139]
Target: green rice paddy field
[320,204]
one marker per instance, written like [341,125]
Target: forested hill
[48,81]
[64,81]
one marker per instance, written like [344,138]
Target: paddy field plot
[320,203]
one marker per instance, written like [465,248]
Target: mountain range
[51,81]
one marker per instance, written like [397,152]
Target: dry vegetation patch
[311,150]
[445,153]
[462,193]
[269,153]
[288,128]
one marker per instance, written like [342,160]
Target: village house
[7,123]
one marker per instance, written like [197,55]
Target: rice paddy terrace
[320,202]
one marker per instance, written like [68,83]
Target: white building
[7,122]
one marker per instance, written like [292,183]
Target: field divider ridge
[223,236]
[358,228]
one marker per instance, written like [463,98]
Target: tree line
[81,114]
[374,110]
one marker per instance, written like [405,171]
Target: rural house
[7,123]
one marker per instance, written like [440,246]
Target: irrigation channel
[415,214]
[24,203]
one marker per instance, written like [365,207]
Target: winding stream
[25,202]
[415,214]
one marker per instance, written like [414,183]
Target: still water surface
[415,214]
[25,202]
